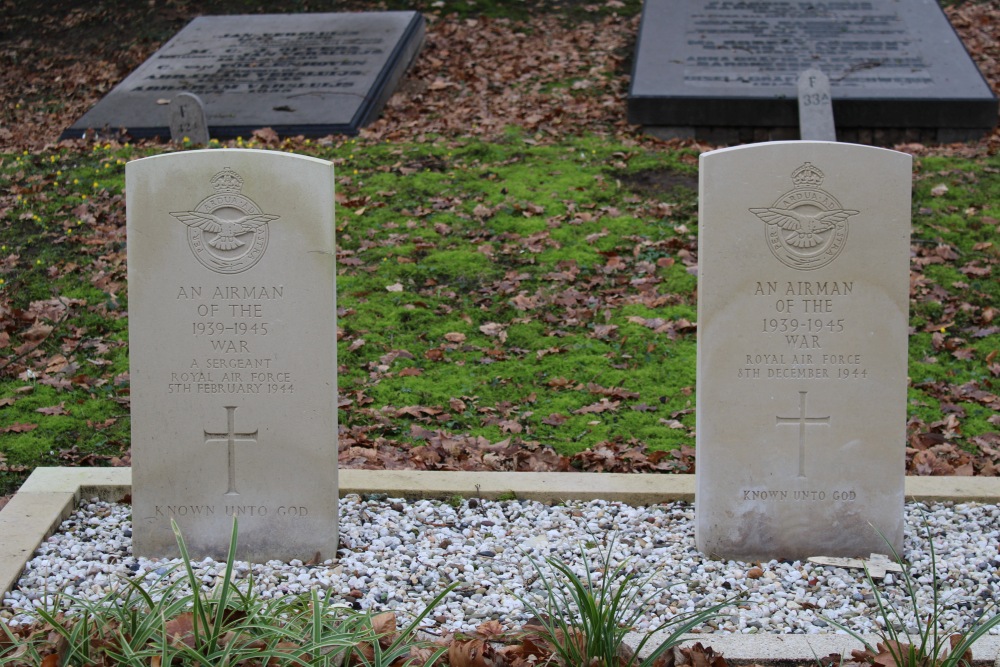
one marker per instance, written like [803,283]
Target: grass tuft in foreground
[584,619]
[223,627]
[931,643]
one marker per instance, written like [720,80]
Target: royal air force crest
[227,231]
[806,227]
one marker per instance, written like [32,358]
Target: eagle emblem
[219,228]
[226,231]
[806,228]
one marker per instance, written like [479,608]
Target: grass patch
[509,290]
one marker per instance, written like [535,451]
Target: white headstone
[232,334]
[803,280]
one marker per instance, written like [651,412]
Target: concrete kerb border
[50,494]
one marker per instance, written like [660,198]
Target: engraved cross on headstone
[231,437]
[802,421]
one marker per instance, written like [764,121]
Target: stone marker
[815,107]
[803,278]
[187,120]
[877,565]
[308,74]
[232,338]
[727,71]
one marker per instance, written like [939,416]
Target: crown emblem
[227,181]
[807,176]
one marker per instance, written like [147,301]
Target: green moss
[526,250]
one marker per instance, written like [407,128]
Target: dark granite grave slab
[308,74]
[896,68]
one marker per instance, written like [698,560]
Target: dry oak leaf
[54,409]
[604,405]
[455,337]
[555,419]
[384,626]
[473,653]
[266,135]
[490,629]
[510,426]
[603,331]
[494,330]
[18,428]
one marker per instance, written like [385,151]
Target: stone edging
[50,494]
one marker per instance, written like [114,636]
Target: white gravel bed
[398,554]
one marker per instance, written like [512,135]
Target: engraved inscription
[291,63]
[805,228]
[786,495]
[806,319]
[763,44]
[215,229]
[232,331]
[231,437]
[231,510]
[802,421]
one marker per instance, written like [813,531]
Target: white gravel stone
[398,554]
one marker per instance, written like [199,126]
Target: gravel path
[398,554]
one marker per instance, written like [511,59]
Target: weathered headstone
[232,338]
[726,71]
[803,281]
[187,120]
[815,107]
[308,74]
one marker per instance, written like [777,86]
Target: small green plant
[455,501]
[938,646]
[585,623]
[383,646]
[222,627]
